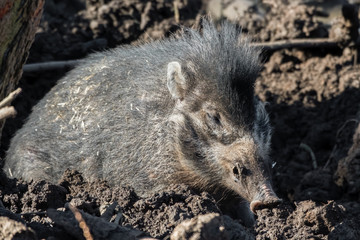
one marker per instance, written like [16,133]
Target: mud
[314,103]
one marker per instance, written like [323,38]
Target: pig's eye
[215,118]
[240,171]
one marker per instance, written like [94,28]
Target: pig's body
[108,118]
[176,111]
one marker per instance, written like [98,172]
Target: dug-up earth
[313,97]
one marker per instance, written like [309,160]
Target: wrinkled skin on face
[219,149]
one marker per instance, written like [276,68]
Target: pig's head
[223,142]
[222,131]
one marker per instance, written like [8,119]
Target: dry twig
[176,11]
[82,224]
[7,101]
[46,66]
[7,112]
[297,43]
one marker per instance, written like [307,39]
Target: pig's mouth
[266,198]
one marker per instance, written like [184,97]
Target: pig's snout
[266,198]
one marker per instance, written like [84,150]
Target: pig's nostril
[257,204]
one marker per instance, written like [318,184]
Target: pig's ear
[176,82]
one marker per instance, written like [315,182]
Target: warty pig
[180,110]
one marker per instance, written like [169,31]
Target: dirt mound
[279,22]
[71,31]
[313,99]
[307,218]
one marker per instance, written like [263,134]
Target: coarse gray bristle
[224,56]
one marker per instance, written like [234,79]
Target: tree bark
[18,24]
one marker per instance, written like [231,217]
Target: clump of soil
[313,99]
[156,215]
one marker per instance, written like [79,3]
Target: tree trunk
[18,24]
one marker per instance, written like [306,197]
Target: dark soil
[313,97]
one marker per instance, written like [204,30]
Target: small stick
[7,112]
[6,101]
[176,11]
[308,149]
[297,43]
[46,66]
[82,224]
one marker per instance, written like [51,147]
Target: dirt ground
[313,97]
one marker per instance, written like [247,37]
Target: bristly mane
[225,57]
